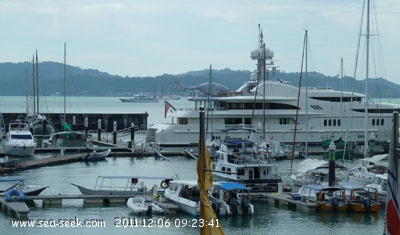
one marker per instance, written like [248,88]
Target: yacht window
[240,172]
[229,170]
[373,122]
[223,168]
[329,122]
[334,122]
[325,121]
[382,122]
[338,122]
[377,122]
[182,121]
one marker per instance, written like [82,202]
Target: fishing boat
[143,206]
[318,111]
[186,195]
[230,198]
[359,198]
[326,198]
[19,141]
[239,160]
[124,185]
[20,185]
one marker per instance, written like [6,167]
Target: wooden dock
[286,200]
[57,200]
[15,209]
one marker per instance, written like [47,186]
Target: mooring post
[133,137]
[332,159]
[74,123]
[115,132]
[86,124]
[99,129]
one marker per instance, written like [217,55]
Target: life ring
[14,196]
[352,196]
[213,166]
[134,181]
[164,184]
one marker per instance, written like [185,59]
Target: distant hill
[16,80]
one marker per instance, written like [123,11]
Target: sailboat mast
[65,81]
[366,81]
[306,64]
[37,83]
[34,83]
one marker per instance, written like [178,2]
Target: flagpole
[201,154]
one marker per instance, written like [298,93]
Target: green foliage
[16,79]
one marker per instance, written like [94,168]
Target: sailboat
[40,125]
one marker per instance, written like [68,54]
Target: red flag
[169,110]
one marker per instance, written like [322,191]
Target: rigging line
[209,101]
[298,101]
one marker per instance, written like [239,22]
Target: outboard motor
[215,206]
[149,210]
[234,204]
[245,206]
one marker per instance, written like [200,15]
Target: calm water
[268,219]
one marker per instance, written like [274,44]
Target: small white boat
[19,141]
[371,166]
[186,195]
[380,183]
[143,206]
[96,156]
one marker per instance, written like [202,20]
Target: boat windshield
[21,137]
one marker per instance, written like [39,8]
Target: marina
[63,200]
[268,216]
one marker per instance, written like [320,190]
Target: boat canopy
[310,164]
[135,177]
[232,186]
[376,158]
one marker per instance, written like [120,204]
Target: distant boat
[19,141]
[140,99]
[172,97]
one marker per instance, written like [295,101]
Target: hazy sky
[153,37]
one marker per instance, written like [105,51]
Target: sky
[154,37]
